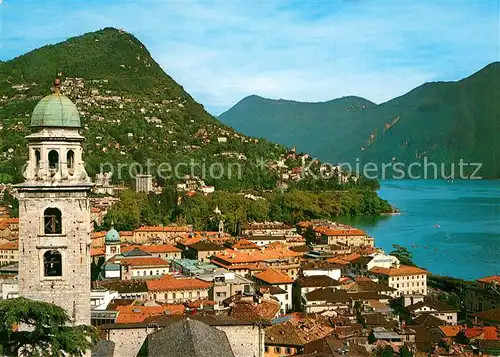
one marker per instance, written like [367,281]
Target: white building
[406,279]
[274,278]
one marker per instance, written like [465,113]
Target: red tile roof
[272,276]
[96,252]
[490,279]
[10,246]
[161,248]
[144,261]
[243,244]
[483,332]
[332,232]
[136,314]
[163,229]
[10,220]
[169,283]
[403,270]
[230,256]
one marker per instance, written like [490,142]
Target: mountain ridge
[397,129]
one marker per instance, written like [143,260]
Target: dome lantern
[55,110]
[112,236]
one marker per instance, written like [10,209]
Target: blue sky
[302,50]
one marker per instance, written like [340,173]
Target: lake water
[451,228]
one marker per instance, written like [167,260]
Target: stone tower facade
[54,211]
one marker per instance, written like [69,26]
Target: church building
[54,211]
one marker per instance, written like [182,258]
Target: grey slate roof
[103,348]
[188,338]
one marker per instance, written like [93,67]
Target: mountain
[292,123]
[131,111]
[443,121]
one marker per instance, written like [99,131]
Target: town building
[246,262]
[225,284]
[436,308]
[173,291]
[246,338]
[484,294]
[143,183]
[202,251]
[306,284]
[164,251]
[167,234]
[9,253]
[282,284]
[406,279]
[103,184]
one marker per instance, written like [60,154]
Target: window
[52,221]
[173,295]
[52,262]
[70,161]
[190,294]
[53,161]
[288,350]
[266,349]
[37,160]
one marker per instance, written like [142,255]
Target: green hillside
[292,123]
[443,121]
[133,112]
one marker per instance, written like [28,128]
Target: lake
[451,228]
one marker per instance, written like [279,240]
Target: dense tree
[371,338]
[403,254]
[47,331]
[404,351]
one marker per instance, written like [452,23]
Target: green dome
[55,110]
[112,236]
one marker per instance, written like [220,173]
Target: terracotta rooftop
[10,246]
[332,232]
[136,314]
[161,248]
[169,283]
[482,332]
[296,333]
[250,311]
[450,331]
[494,279]
[401,271]
[144,261]
[10,220]
[230,256]
[163,229]
[205,246]
[304,224]
[245,244]
[96,252]
[272,276]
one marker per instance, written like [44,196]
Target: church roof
[55,110]
[112,236]
[189,338]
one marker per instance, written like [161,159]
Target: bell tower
[54,211]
